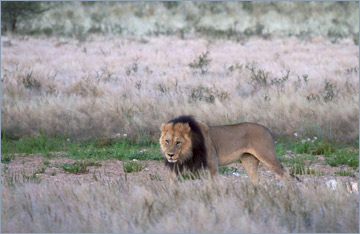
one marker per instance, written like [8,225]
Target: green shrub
[202,62]
[132,166]
[6,158]
[314,147]
[35,144]
[344,157]
[298,166]
[188,176]
[259,77]
[345,173]
[229,171]
[79,167]
[33,178]
[40,171]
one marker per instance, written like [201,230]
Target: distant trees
[13,12]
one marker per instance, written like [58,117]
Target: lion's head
[183,144]
[175,141]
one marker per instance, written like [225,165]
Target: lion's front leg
[213,162]
[213,171]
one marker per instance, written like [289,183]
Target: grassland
[118,85]
[75,196]
[87,78]
[144,205]
[84,92]
[146,149]
[141,203]
[97,149]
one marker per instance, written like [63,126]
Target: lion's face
[175,141]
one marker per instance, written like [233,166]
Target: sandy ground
[112,170]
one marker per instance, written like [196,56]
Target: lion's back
[242,135]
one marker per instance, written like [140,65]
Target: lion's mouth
[172,160]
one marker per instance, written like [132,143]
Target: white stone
[332,184]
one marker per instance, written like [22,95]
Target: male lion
[192,145]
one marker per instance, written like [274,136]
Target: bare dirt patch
[112,169]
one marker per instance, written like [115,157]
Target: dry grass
[112,85]
[92,79]
[143,205]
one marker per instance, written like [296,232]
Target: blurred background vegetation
[230,20]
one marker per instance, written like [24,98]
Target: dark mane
[198,159]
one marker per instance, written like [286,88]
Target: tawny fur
[250,142]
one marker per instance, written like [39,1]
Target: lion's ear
[163,127]
[186,128]
[166,127]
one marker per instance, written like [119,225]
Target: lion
[192,145]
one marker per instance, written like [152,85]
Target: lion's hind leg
[251,164]
[267,155]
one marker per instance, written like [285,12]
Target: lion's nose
[170,155]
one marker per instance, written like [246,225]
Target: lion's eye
[178,143]
[167,141]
